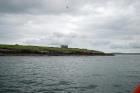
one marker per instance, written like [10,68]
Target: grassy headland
[50,51]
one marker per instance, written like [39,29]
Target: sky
[105,25]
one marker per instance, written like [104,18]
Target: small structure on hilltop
[64,46]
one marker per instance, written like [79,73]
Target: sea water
[69,74]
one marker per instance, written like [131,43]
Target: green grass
[44,50]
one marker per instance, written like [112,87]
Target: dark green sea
[69,74]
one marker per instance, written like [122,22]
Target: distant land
[30,50]
[126,53]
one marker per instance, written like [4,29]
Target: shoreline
[24,50]
[55,55]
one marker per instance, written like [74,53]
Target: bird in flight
[67,3]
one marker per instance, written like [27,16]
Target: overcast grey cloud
[106,25]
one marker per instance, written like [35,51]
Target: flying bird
[67,3]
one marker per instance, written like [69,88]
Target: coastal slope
[49,51]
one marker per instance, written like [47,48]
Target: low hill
[50,51]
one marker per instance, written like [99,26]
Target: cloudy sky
[106,25]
